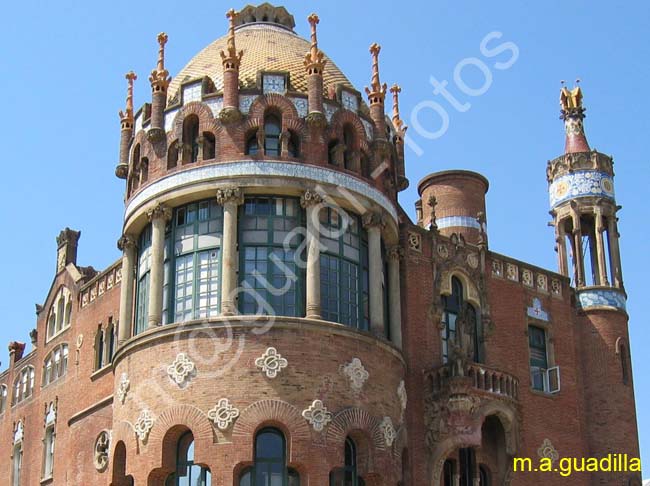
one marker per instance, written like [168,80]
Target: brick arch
[508,419]
[207,122]
[274,101]
[354,419]
[265,412]
[470,290]
[346,117]
[442,451]
[185,415]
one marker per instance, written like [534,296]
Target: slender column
[158,215]
[394,298]
[229,198]
[593,253]
[615,255]
[312,202]
[600,248]
[560,239]
[127,244]
[577,248]
[373,222]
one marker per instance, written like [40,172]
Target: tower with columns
[275,317]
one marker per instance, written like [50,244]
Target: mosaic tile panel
[581,184]
[169,119]
[192,92]
[215,104]
[601,298]
[245,102]
[301,106]
[458,221]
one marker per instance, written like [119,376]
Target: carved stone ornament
[497,268]
[395,253]
[159,211]
[102,446]
[542,283]
[372,219]
[317,415]
[548,451]
[388,431]
[271,363]
[472,260]
[443,251]
[310,198]
[356,373]
[512,272]
[143,425]
[415,242]
[123,388]
[401,394]
[556,287]
[223,414]
[230,194]
[181,369]
[527,278]
[19,431]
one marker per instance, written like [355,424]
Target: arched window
[453,306]
[270,464]
[191,139]
[3,398]
[68,314]
[17,463]
[110,340]
[209,146]
[484,476]
[100,343]
[23,385]
[60,313]
[187,472]
[344,269]
[143,274]
[625,364]
[268,270]
[272,130]
[448,471]
[172,155]
[56,364]
[48,441]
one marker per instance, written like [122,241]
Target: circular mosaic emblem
[561,189]
[607,185]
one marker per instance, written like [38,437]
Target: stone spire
[376,95]
[397,121]
[159,83]
[127,121]
[231,60]
[573,114]
[314,65]
[400,132]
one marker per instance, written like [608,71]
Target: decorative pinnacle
[397,121]
[573,113]
[127,115]
[232,58]
[376,88]
[160,76]
[314,57]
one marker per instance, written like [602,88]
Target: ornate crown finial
[573,113]
[397,121]
[232,58]
[127,114]
[314,57]
[571,99]
[160,76]
[377,90]
[162,40]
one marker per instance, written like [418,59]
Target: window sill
[56,334]
[544,393]
[47,480]
[101,372]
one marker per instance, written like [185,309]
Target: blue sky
[63,66]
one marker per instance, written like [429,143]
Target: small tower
[314,65]
[126,121]
[583,206]
[231,60]
[159,83]
[376,95]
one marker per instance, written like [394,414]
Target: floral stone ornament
[317,415]
[388,431]
[102,446]
[181,369]
[123,388]
[401,394]
[548,451]
[271,363]
[223,414]
[357,374]
[143,425]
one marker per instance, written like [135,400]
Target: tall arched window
[187,472]
[272,130]
[348,475]
[56,364]
[349,139]
[100,344]
[144,272]
[191,139]
[110,340]
[268,270]
[270,464]
[453,305]
[17,463]
[3,398]
[23,385]
[344,275]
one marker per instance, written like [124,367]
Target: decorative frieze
[356,373]
[556,287]
[581,184]
[102,283]
[542,283]
[181,369]
[271,363]
[593,298]
[512,272]
[223,414]
[317,415]
[527,278]
[497,269]
[143,425]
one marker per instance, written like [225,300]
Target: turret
[231,60]
[314,65]
[584,210]
[376,95]
[126,122]
[159,83]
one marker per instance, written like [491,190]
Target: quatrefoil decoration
[271,362]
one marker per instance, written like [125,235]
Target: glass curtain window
[344,269]
[143,275]
[187,473]
[268,245]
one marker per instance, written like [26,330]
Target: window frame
[23,385]
[186,465]
[60,314]
[54,369]
[550,375]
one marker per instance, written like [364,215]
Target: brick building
[278,319]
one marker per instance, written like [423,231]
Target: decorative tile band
[264,169]
[601,298]
[458,221]
[581,184]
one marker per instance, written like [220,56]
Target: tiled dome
[267,46]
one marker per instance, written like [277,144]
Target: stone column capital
[310,198]
[126,242]
[230,194]
[373,219]
[395,253]
[159,211]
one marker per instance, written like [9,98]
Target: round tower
[260,306]
[454,201]
[584,209]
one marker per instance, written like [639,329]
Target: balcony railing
[483,378]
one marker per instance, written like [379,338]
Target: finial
[573,113]
[162,40]
[397,121]
[232,58]
[376,88]
[313,22]
[314,58]
[160,76]
[127,115]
